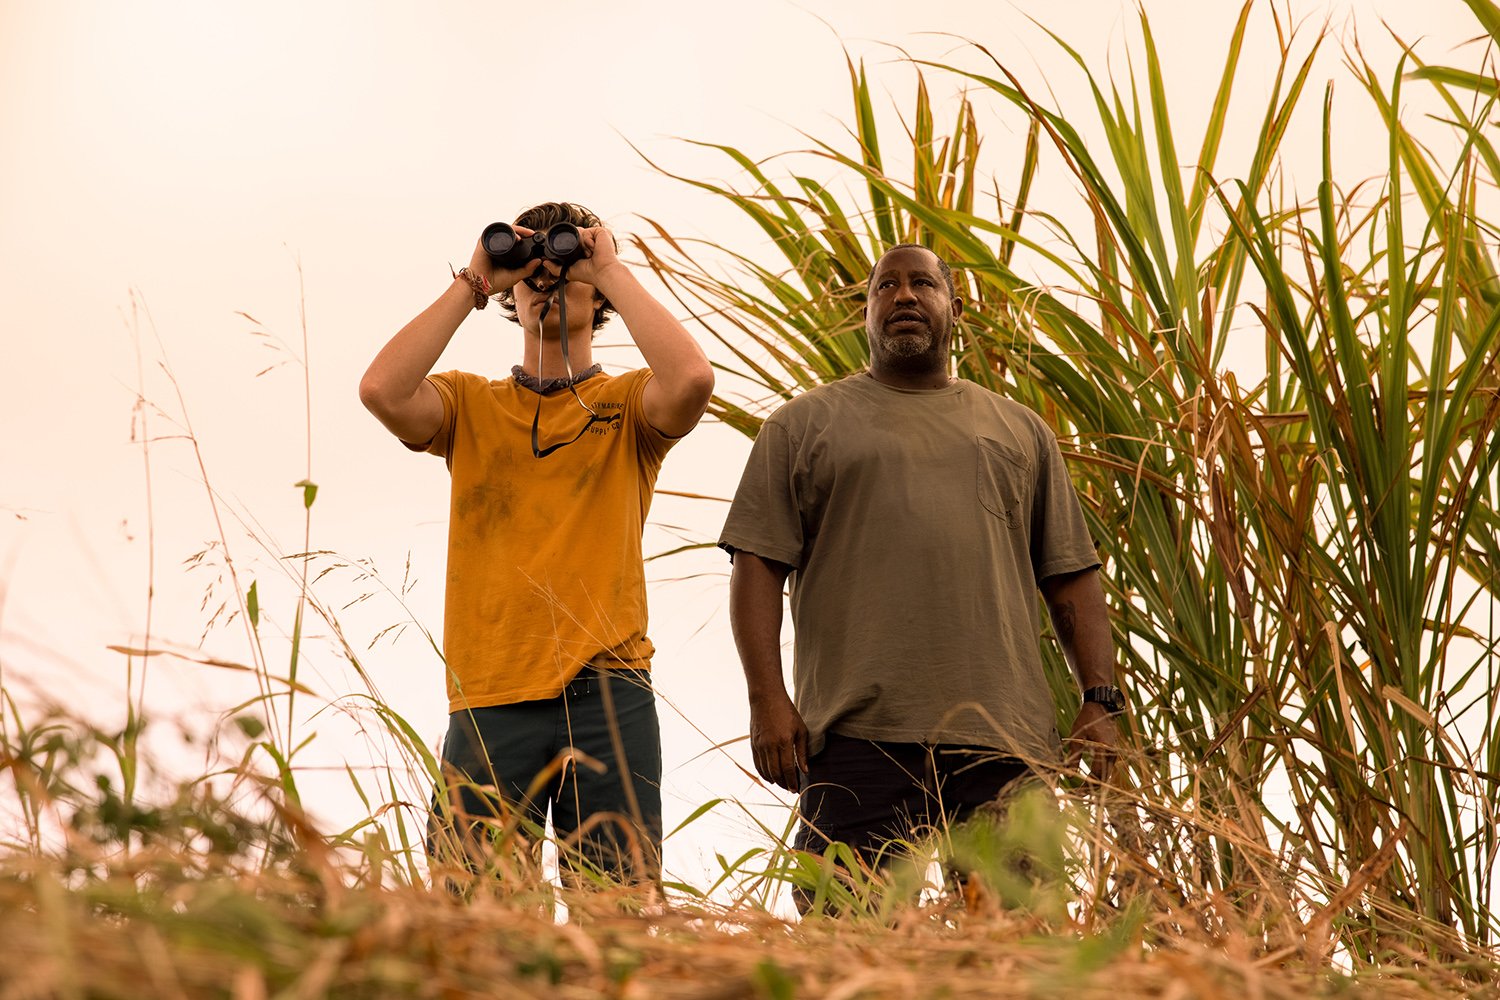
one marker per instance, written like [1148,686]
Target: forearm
[1080,619]
[676,361]
[398,370]
[755,619]
[778,736]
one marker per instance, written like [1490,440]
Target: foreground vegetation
[1301,555]
[297,939]
[228,890]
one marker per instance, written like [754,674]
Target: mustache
[904,315]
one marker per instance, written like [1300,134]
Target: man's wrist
[1106,696]
[612,274]
[768,694]
[475,283]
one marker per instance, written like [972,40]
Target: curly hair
[539,218]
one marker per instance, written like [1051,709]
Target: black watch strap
[1111,697]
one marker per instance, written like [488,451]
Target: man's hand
[501,278]
[599,254]
[1094,731]
[778,740]
[778,736]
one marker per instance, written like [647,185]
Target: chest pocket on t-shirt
[1005,480]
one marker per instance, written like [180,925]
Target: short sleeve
[447,386]
[652,443]
[766,518]
[1060,540]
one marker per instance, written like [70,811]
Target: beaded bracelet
[478,283]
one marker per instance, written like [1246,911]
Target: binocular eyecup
[561,244]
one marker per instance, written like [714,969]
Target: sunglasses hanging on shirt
[563,245]
[562,318]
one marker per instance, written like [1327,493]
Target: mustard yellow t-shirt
[544,554]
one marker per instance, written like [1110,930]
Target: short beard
[904,347]
[912,355]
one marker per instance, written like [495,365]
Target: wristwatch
[1111,697]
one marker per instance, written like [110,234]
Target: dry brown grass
[305,937]
[166,911]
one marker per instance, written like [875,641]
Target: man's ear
[958,307]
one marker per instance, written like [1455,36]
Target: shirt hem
[764,551]
[1060,566]
[1038,750]
[603,661]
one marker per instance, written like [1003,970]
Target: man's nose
[905,292]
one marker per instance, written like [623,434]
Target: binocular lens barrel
[562,240]
[498,240]
[561,243]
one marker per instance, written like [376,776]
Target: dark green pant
[606,803]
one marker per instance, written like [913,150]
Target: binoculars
[561,244]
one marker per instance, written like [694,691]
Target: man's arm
[395,386]
[1081,621]
[778,736]
[682,380]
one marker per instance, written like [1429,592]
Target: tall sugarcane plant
[1301,564]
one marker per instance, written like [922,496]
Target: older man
[916,515]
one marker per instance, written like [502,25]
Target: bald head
[942,265]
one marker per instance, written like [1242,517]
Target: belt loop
[582,683]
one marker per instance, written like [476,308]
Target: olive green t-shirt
[917,524]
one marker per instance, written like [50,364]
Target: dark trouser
[867,793]
[610,815]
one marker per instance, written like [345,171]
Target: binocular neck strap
[559,291]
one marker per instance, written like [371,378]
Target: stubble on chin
[906,346]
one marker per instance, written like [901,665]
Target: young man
[552,475]
[916,515]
